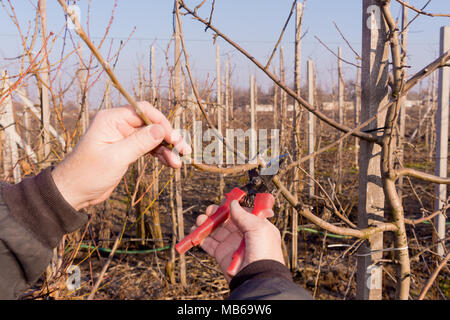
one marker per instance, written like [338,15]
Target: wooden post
[177,125]
[442,140]
[45,103]
[311,126]
[341,110]
[374,83]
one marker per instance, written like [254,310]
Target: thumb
[244,220]
[140,142]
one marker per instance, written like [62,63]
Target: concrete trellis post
[45,103]
[28,104]
[357,111]
[311,125]
[227,93]
[442,138]
[276,109]
[374,85]
[177,125]
[283,99]
[219,108]
[152,75]
[82,96]
[253,138]
[9,145]
[341,111]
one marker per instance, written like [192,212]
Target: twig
[347,42]
[433,276]
[105,267]
[281,35]
[427,218]
[337,56]
[82,34]
[419,11]
[289,91]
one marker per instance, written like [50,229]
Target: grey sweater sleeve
[266,280]
[33,218]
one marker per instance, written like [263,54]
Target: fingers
[243,219]
[167,157]
[128,122]
[171,136]
[221,233]
[211,209]
[229,225]
[139,143]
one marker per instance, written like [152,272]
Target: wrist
[64,185]
[260,269]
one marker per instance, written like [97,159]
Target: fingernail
[156,131]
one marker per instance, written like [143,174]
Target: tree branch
[421,175]
[427,218]
[434,276]
[305,212]
[281,35]
[422,12]
[289,91]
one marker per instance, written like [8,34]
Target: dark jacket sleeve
[266,280]
[33,218]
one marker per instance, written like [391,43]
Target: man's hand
[262,238]
[116,138]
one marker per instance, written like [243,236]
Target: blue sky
[255,24]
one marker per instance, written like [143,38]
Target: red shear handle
[205,229]
[263,209]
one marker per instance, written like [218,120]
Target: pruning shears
[256,194]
